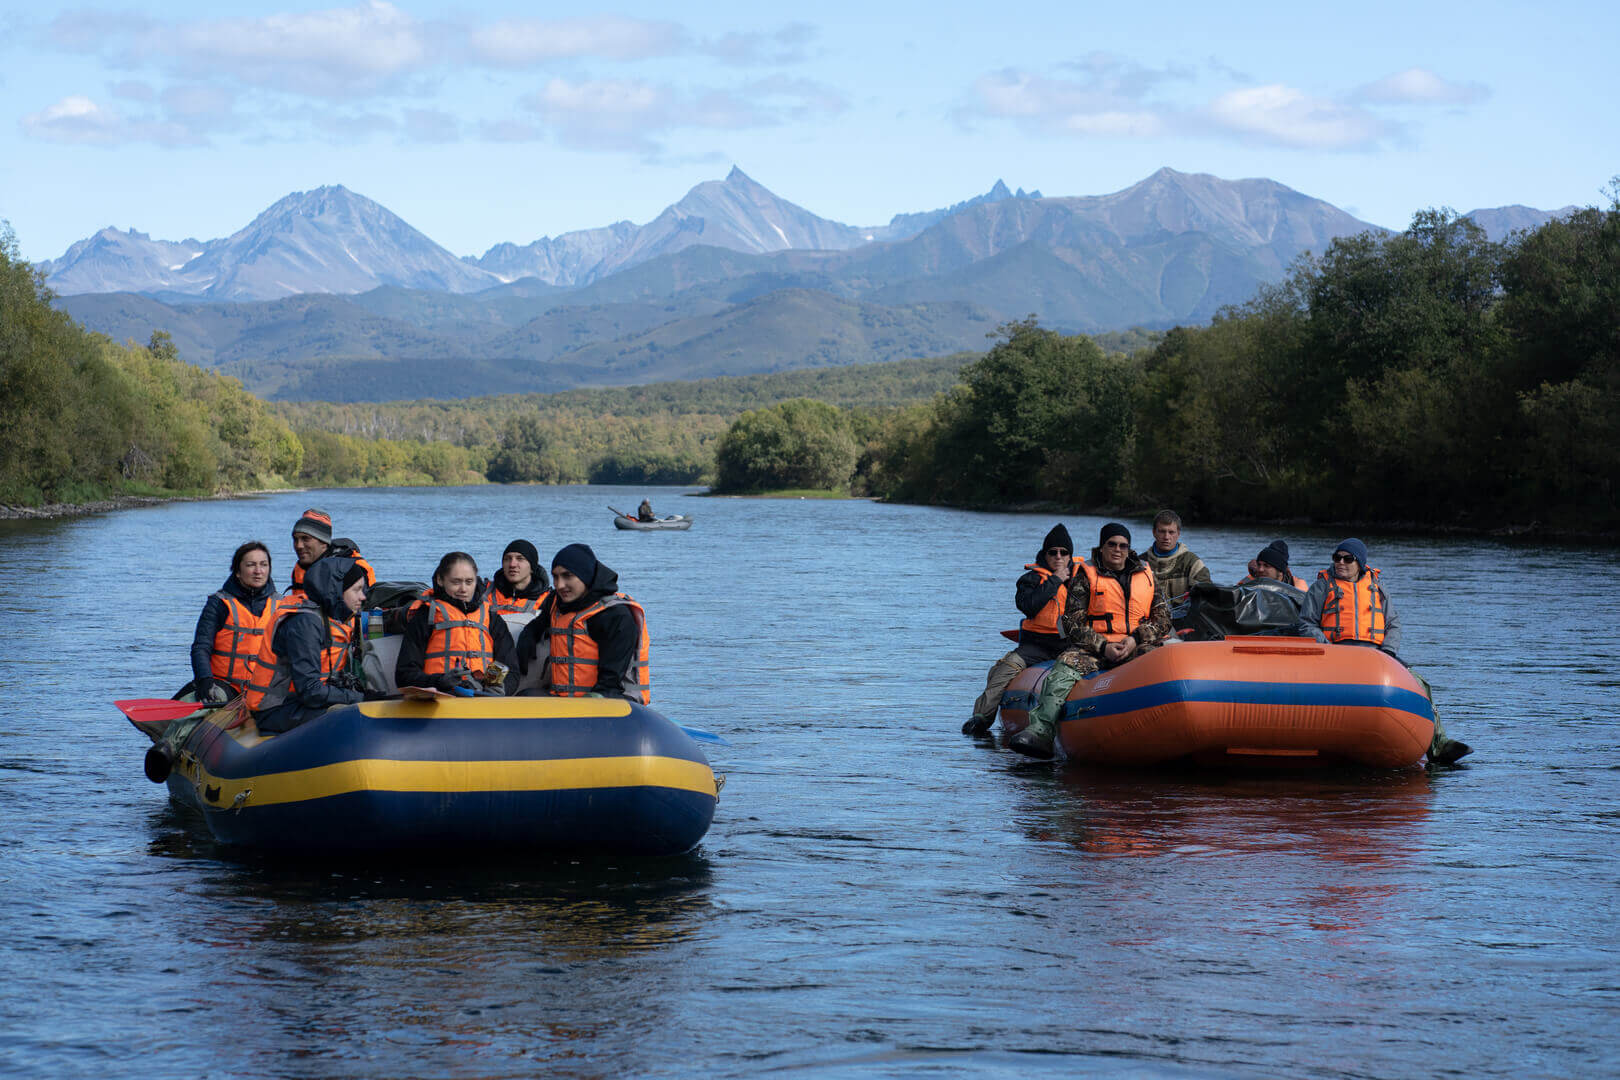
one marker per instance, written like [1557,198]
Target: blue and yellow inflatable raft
[555,774]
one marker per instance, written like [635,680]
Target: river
[878,895]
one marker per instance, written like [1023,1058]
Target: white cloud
[78,119]
[526,42]
[1284,116]
[1420,86]
[431,126]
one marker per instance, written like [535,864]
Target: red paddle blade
[155,710]
[1010,635]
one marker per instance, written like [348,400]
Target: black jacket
[418,629]
[213,617]
[1032,593]
[298,642]
[538,584]
[614,629]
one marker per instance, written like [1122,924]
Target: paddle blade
[1010,635]
[155,710]
[704,736]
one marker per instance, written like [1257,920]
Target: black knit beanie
[525,549]
[353,574]
[1058,537]
[1112,529]
[1275,554]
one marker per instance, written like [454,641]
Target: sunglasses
[1057,551]
[1344,558]
[1119,544]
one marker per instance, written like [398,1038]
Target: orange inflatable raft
[1241,702]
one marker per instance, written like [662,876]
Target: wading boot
[1448,751]
[1035,741]
[978,725]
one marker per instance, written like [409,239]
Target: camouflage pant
[1072,666]
[1004,671]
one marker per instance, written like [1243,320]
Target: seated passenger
[305,665]
[1041,594]
[231,626]
[454,636]
[644,512]
[520,584]
[1174,567]
[1272,565]
[1347,605]
[589,640]
[1119,614]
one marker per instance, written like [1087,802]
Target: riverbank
[115,502]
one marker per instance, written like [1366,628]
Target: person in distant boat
[304,666]
[312,540]
[644,512]
[520,584]
[1272,565]
[1173,565]
[1041,594]
[231,626]
[589,640]
[454,638]
[1347,604]
[1115,613]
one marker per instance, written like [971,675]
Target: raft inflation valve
[158,764]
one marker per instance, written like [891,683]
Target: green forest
[1429,377]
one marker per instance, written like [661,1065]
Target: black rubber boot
[1448,752]
[978,725]
[1033,743]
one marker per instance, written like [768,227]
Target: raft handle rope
[241,798]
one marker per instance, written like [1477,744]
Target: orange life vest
[458,639]
[575,656]
[237,641]
[1045,621]
[1111,613]
[1353,610]
[270,679]
[514,605]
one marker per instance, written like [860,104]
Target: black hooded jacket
[215,616]
[418,630]
[299,640]
[614,629]
[538,584]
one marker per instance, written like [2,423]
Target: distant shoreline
[52,511]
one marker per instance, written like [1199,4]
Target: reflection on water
[878,895]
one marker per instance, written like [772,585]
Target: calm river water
[878,896]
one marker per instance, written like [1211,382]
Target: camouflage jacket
[1077,631]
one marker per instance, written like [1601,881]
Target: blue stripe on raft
[1222,692]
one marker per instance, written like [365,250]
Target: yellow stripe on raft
[377,774]
[499,708]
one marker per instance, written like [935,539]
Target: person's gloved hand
[463,691]
[203,689]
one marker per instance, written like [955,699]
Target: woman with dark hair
[231,626]
[454,637]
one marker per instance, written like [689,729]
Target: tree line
[1430,377]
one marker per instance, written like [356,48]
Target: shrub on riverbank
[82,418]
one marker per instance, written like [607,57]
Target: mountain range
[327,294]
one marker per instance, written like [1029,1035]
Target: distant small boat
[621,520]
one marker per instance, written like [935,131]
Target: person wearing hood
[454,639]
[303,666]
[1116,612]
[589,639]
[520,584]
[231,626]
[1041,593]
[1174,566]
[1346,604]
[1272,565]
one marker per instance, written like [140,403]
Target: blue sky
[506,121]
